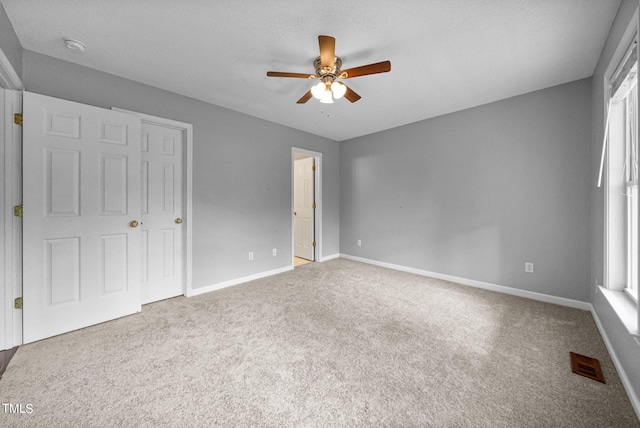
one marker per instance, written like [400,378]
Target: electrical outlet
[528,267]
[251,255]
[359,243]
[275,251]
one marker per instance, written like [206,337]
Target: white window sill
[626,309]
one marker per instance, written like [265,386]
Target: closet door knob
[178,220]
[133,223]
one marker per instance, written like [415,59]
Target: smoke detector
[75,45]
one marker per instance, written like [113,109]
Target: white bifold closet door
[81,167]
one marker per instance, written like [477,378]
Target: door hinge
[313,244]
[17,119]
[313,206]
[17,211]
[17,303]
[313,168]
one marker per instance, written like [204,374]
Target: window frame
[621,301]
[631,189]
[621,232]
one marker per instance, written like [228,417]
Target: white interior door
[162,151]
[81,178]
[303,202]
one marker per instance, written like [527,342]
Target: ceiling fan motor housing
[326,74]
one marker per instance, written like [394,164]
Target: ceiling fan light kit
[328,69]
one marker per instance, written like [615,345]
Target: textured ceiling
[446,55]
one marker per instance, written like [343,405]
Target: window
[631,177]
[622,195]
[631,184]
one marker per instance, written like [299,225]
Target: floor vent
[586,366]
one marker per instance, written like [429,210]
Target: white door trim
[318,196]
[187,184]
[11,193]
[5,230]
[9,79]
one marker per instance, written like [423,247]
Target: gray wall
[9,43]
[241,169]
[627,349]
[477,193]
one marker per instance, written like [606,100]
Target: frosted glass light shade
[326,97]
[338,90]
[318,90]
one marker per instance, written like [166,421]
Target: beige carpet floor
[329,344]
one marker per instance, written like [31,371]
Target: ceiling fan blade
[327,50]
[378,67]
[306,97]
[283,74]
[351,95]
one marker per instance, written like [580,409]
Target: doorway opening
[306,213]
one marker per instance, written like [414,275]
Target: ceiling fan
[328,70]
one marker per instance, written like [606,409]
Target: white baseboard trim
[635,401]
[478,284]
[220,285]
[331,257]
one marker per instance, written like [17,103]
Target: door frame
[10,195]
[317,194]
[187,190]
